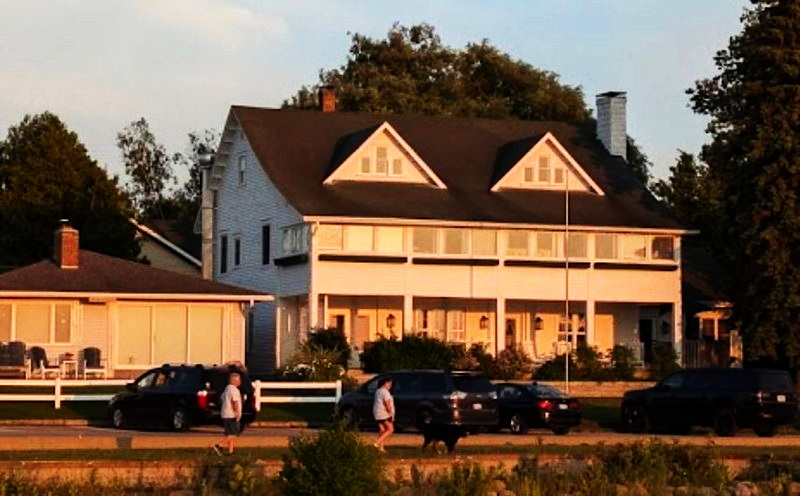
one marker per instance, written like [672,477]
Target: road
[85,437]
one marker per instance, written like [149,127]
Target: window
[547,245]
[424,240]
[41,323]
[389,239]
[330,237]
[5,322]
[397,167]
[634,247]
[528,175]
[605,246]
[455,241]
[358,239]
[455,325]
[223,254]
[663,248]
[484,243]
[242,169]
[365,167]
[517,243]
[430,323]
[295,240]
[381,162]
[265,244]
[558,175]
[576,245]
[237,252]
[544,169]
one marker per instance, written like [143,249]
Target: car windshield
[546,391]
[472,383]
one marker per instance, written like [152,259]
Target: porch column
[313,313]
[500,328]
[278,331]
[325,323]
[589,322]
[408,315]
[677,328]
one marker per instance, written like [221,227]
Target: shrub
[333,462]
[512,363]
[588,366]
[665,361]
[622,362]
[585,365]
[554,370]
[310,363]
[333,340]
[412,352]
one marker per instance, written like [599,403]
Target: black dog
[448,434]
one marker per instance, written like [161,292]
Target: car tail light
[574,405]
[202,399]
[545,405]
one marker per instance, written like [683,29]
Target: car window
[775,382]
[546,391]
[698,381]
[674,381]
[371,386]
[146,381]
[186,380]
[406,383]
[432,383]
[509,393]
[472,383]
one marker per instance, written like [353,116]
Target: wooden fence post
[257,395]
[58,392]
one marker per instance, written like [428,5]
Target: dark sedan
[523,406]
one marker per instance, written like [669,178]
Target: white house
[469,230]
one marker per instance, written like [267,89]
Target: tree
[148,165]
[754,104]
[639,162]
[687,191]
[411,71]
[185,202]
[46,174]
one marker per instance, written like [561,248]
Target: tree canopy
[46,175]
[754,105]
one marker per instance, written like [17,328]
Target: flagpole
[566,279]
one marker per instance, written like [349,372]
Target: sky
[100,64]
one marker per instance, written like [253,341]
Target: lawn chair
[93,364]
[40,364]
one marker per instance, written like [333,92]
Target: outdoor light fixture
[484,322]
[391,320]
[538,324]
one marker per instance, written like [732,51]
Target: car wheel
[725,422]
[118,418]
[637,420]
[178,421]
[350,418]
[765,428]
[424,419]
[560,430]
[517,424]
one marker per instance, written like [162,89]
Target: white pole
[566,279]
[257,394]
[57,392]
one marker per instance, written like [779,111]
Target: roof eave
[110,296]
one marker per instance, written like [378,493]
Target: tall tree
[754,105]
[687,191]
[149,166]
[46,174]
[186,200]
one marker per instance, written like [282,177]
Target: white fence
[58,396]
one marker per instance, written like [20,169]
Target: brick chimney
[65,251]
[327,98]
[611,127]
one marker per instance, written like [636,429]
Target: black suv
[724,399]
[179,396]
[427,397]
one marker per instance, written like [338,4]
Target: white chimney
[611,128]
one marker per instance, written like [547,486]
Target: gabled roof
[174,236]
[101,274]
[296,149]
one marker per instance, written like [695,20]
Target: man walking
[383,411]
[231,414]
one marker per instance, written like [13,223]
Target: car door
[513,399]
[156,398]
[406,391]
[135,403]
[665,399]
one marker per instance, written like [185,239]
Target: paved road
[83,437]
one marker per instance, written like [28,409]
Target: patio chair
[93,364]
[40,364]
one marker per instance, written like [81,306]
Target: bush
[332,463]
[553,370]
[585,365]
[588,366]
[332,340]
[622,362]
[310,363]
[512,363]
[665,361]
[412,352]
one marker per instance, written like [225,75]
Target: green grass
[314,413]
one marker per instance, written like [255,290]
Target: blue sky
[100,64]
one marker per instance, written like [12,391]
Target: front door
[646,339]
[360,332]
[511,333]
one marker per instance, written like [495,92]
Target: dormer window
[544,169]
[381,163]
[242,169]
[386,163]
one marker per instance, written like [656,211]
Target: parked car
[425,397]
[179,396]
[523,406]
[724,399]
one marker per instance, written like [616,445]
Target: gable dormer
[383,156]
[546,165]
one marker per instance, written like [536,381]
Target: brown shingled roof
[103,274]
[297,150]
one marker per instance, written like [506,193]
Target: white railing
[57,396]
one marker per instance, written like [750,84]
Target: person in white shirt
[231,413]
[383,411]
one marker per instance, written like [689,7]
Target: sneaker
[217,449]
